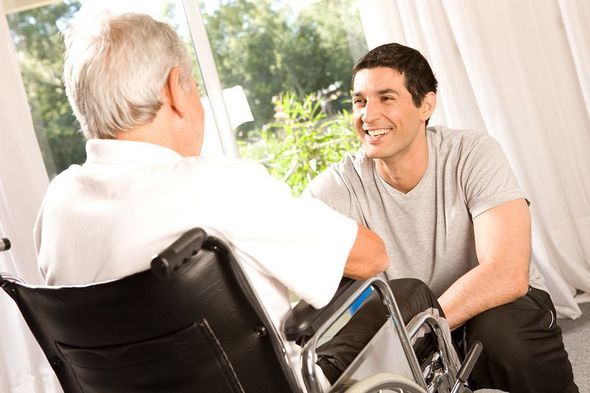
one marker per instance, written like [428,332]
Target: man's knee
[522,350]
[516,334]
[412,297]
[410,288]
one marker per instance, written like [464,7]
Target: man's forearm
[503,246]
[480,289]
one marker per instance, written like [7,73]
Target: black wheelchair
[193,323]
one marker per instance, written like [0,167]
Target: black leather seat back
[199,330]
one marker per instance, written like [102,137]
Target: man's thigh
[523,347]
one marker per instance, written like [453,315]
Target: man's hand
[503,246]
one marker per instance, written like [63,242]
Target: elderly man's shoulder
[218,165]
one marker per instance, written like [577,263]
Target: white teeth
[380,131]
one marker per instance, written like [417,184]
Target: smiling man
[452,214]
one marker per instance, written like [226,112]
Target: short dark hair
[418,76]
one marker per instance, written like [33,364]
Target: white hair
[115,68]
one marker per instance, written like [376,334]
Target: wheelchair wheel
[385,382]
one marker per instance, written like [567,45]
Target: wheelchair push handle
[467,365]
[178,253]
[4,244]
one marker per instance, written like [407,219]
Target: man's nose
[370,112]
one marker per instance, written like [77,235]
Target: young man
[144,183]
[452,214]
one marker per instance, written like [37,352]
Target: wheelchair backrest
[199,329]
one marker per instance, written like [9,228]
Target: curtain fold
[23,180]
[576,15]
[520,71]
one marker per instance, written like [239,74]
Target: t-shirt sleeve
[330,188]
[486,176]
[299,241]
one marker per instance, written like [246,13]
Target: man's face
[384,115]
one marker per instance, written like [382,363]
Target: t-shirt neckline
[417,191]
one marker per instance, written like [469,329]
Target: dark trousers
[412,296]
[522,345]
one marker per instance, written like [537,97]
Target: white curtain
[519,69]
[23,367]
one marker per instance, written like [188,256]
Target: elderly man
[453,215]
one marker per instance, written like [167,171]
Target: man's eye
[358,101]
[388,98]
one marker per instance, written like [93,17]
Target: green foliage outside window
[40,48]
[263,47]
[302,142]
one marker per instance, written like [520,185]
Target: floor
[576,338]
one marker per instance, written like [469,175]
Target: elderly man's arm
[503,245]
[367,256]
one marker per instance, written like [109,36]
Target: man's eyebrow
[387,91]
[378,92]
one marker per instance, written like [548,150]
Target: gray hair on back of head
[115,68]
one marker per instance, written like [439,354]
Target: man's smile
[376,134]
[378,131]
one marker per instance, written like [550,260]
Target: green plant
[302,142]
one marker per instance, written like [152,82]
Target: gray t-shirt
[428,231]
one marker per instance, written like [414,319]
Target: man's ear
[428,105]
[175,93]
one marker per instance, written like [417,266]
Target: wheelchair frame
[186,251]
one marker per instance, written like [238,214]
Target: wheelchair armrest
[304,320]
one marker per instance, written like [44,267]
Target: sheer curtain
[521,71]
[23,367]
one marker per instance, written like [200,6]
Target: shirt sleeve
[299,241]
[486,176]
[330,187]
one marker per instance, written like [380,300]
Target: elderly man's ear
[175,93]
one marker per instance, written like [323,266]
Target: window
[39,45]
[292,59]
[283,66]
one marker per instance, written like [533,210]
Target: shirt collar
[111,151]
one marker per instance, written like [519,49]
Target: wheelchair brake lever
[467,365]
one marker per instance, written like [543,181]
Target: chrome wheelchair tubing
[449,367]
[309,356]
[389,301]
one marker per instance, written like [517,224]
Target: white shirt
[107,218]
